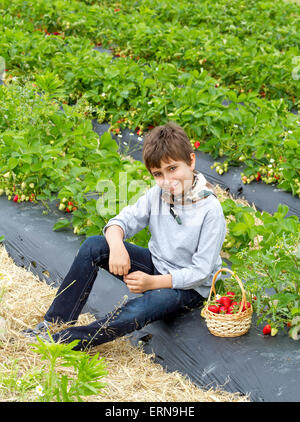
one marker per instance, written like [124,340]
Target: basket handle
[243,302]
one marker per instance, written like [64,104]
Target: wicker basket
[228,325]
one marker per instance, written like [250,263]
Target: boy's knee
[93,243]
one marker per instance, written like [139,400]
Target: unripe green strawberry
[23,185]
[274,331]
[31,185]
[61,207]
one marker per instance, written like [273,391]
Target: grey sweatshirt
[189,252]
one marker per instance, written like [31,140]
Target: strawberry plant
[247,227]
[263,134]
[271,273]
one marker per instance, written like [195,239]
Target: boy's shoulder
[214,205]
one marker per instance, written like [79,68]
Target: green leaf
[239,228]
[12,163]
[62,224]
[249,219]
[297,253]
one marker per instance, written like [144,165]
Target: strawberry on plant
[274,331]
[267,329]
[197,144]
[16,198]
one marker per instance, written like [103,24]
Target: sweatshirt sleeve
[204,260]
[133,218]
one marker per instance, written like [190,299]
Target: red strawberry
[230,294]
[267,329]
[225,301]
[197,144]
[15,198]
[258,177]
[223,310]
[233,308]
[214,308]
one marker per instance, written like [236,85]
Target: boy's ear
[193,159]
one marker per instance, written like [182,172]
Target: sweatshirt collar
[197,191]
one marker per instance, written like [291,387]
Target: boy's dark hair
[164,143]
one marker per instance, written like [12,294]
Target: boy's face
[174,176]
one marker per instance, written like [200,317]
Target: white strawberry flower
[39,390]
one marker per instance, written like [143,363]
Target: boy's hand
[119,260]
[138,281]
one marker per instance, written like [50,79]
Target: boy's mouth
[172,188]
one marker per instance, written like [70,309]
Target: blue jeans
[72,295]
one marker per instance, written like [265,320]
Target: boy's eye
[159,174]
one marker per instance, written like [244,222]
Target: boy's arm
[119,259]
[139,282]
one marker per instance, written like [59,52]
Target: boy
[187,228]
